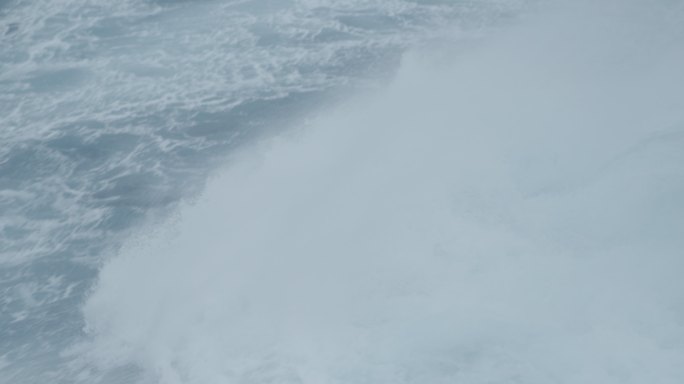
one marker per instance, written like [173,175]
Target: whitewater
[405,192]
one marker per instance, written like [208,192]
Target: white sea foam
[510,213]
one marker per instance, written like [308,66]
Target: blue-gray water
[509,195]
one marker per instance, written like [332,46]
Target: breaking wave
[503,212]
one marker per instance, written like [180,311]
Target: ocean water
[302,191]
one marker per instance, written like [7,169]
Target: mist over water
[508,212]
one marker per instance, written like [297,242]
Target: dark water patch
[24,164]
[122,218]
[15,232]
[263,6]
[330,35]
[42,211]
[91,152]
[14,57]
[217,126]
[269,37]
[58,80]
[109,27]
[369,21]
[108,144]
[11,27]
[152,71]
[133,190]
[4,4]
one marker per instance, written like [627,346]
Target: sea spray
[510,213]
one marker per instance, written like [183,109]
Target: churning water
[302,191]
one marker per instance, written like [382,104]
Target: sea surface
[352,191]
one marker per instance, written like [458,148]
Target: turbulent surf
[360,192]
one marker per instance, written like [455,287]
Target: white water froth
[509,214]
